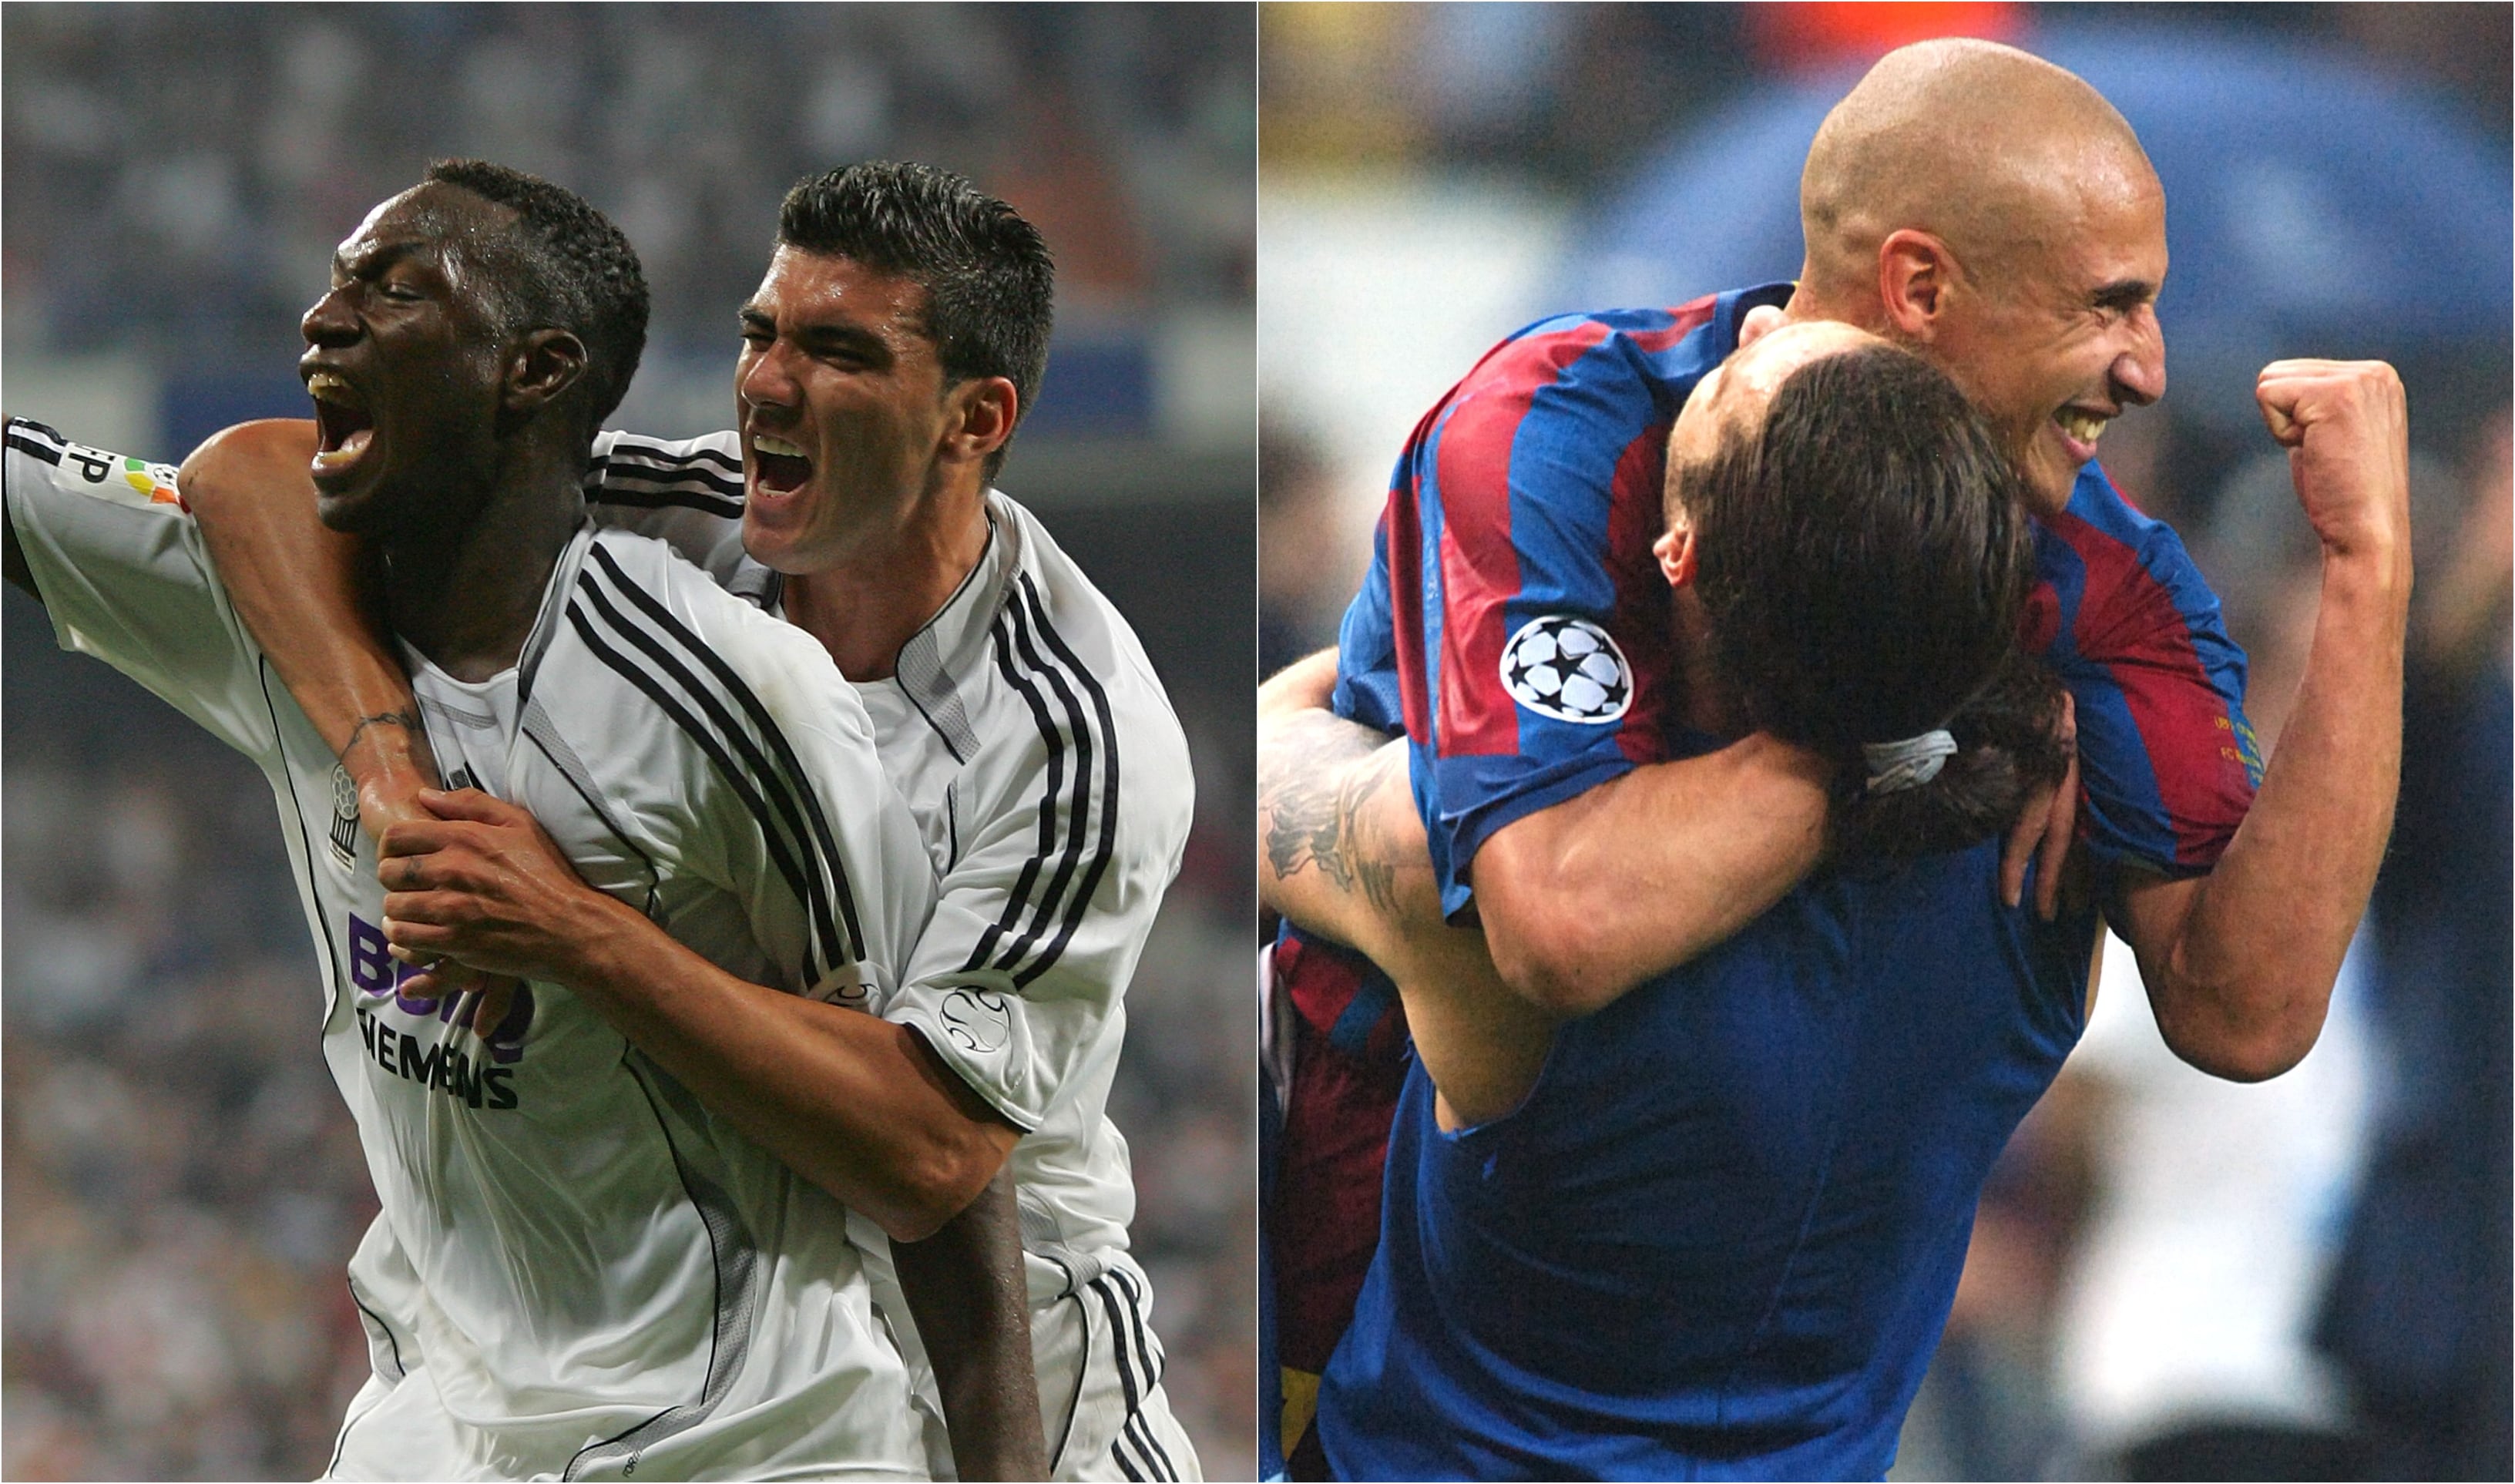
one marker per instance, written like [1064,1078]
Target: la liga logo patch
[1567,668]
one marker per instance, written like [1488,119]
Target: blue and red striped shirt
[1532,491]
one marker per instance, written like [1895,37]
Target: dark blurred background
[2171,1277]
[183,1184]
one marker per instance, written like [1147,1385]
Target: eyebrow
[2123,294]
[821,339]
[374,260]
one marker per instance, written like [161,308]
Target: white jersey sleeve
[125,576]
[687,493]
[765,777]
[1018,980]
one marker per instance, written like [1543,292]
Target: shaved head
[1980,145]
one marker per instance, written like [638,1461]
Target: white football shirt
[578,1270]
[1050,779]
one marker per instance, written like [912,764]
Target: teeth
[350,451]
[775,446]
[329,387]
[2086,428]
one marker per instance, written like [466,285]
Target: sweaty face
[401,360]
[843,407]
[2061,335]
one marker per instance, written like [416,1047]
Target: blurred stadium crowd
[2171,1277]
[182,1185]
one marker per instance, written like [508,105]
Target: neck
[465,595]
[1818,298]
[869,605]
[1711,702]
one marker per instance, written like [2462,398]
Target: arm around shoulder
[302,591]
[1585,899]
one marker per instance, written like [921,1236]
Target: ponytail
[2006,748]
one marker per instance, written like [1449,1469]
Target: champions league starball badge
[1567,668]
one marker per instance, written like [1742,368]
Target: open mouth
[342,425]
[2082,428]
[779,467]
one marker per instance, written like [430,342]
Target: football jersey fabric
[1530,496]
[1531,493]
[2168,763]
[1050,781]
[578,1270]
[1721,1236]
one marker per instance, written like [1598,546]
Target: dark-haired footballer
[893,345]
[1711,1227]
[609,1238]
[1993,213]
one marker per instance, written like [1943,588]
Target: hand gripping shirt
[578,1270]
[1050,782]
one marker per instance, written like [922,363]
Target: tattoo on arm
[407,721]
[1315,785]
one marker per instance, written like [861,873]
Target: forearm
[1345,858]
[1585,900]
[1580,901]
[855,1104]
[2241,985]
[299,589]
[970,1298]
[1306,684]
[1344,850]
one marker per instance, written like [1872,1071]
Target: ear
[979,417]
[1675,550]
[1915,272]
[1761,321]
[541,369]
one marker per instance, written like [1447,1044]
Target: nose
[2140,370]
[329,323]
[763,379]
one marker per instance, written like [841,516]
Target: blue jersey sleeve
[1514,624]
[2167,760]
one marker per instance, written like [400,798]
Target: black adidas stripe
[1126,1384]
[1106,849]
[650,477]
[1078,821]
[1152,1372]
[614,466]
[27,437]
[628,670]
[780,789]
[1016,900]
[1118,1298]
[1023,615]
[611,492]
[795,779]
[766,793]
[656,451]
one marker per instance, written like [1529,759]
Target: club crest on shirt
[1569,669]
[344,818]
[977,1020]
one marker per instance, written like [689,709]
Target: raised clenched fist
[2346,427]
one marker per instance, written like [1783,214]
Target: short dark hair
[1863,562]
[563,266]
[990,284]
